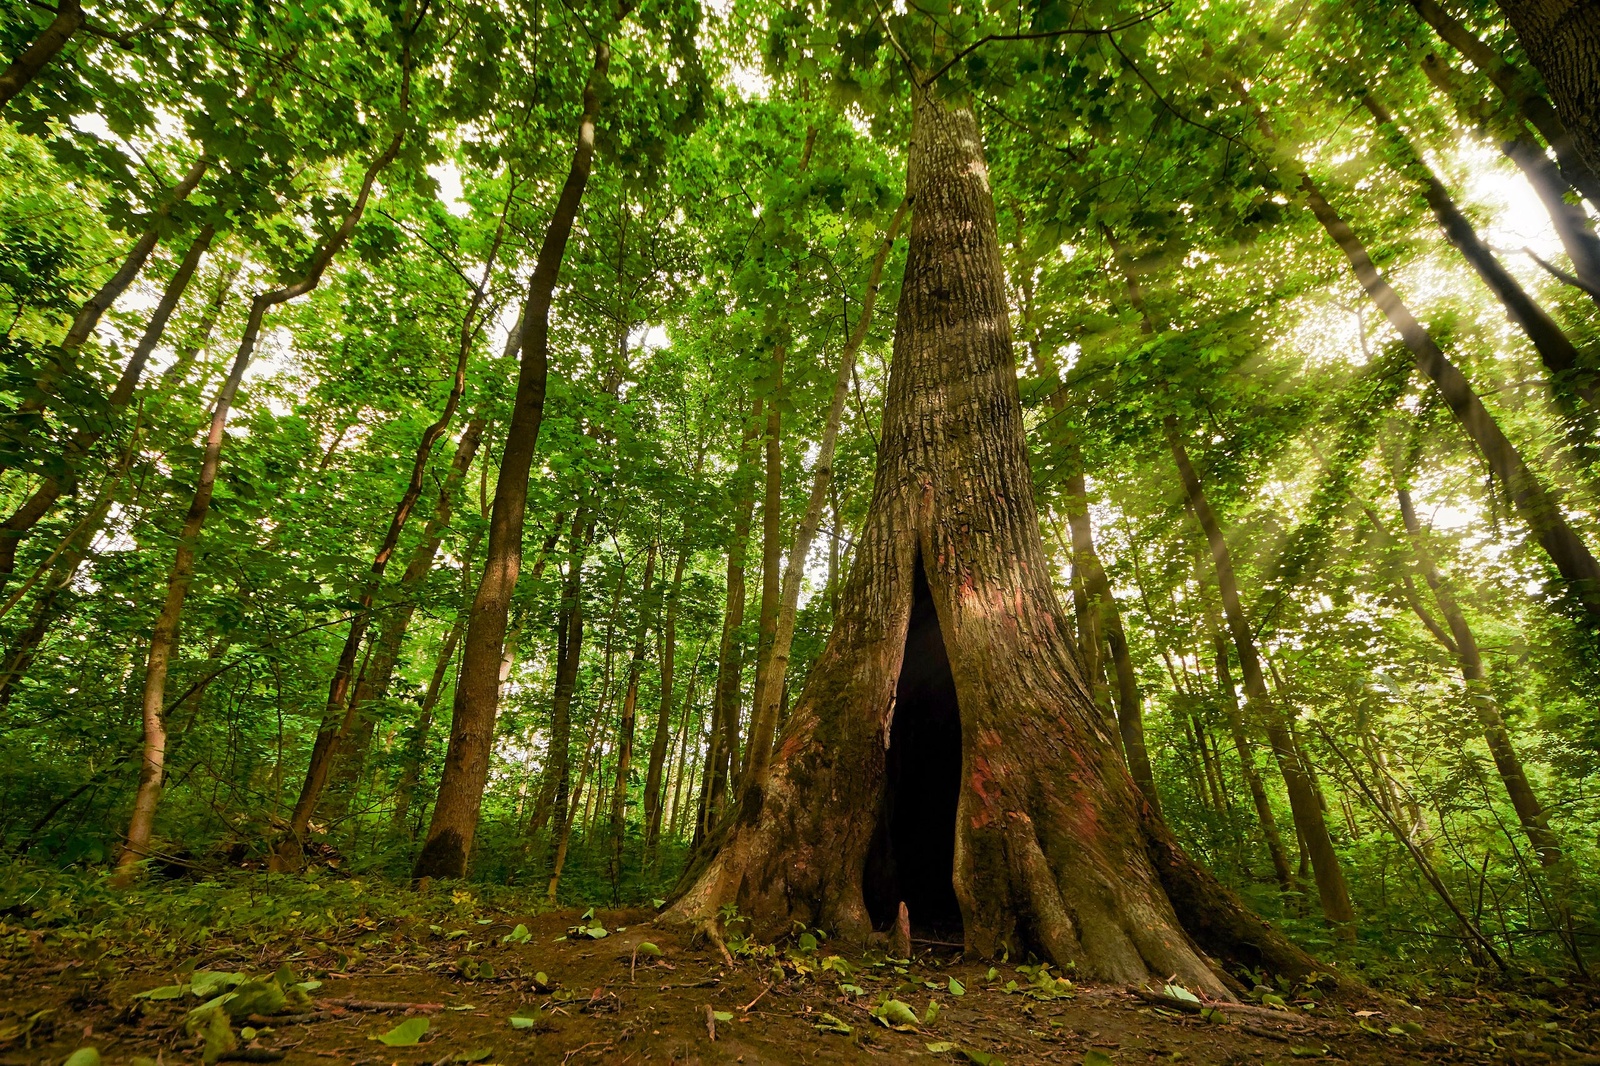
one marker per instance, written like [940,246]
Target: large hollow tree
[948,686]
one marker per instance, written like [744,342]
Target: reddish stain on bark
[980,778]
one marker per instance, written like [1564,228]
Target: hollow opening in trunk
[912,858]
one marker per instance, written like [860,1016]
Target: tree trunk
[625,728]
[340,715]
[569,649]
[35,507]
[1035,833]
[1247,763]
[69,16]
[477,702]
[1536,505]
[683,763]
[1581,173]
[164,638]
[663,733]
[1464,645]
[417,746]
[373,684]
[1556,351]
[1571,222]
[722,755]
[762,726]
[1562,39]
[770,683]
[1107,621]
[1303,800]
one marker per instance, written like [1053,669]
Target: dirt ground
[517,992]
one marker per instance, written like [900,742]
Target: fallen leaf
[957,988]
[406,1033]
[939,1047]
[84,1056]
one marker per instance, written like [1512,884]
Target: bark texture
[1562,39]
[1053,848]
[663,731]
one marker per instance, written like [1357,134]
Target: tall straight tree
[477,699]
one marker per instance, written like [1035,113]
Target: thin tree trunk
[1534,503]
[1464,645]
[340,713]
[1562,39]
[625,728]
[164,637]
[466,769]
[723,756]
[771,578]
[685,762]
[1247,764]
[1556,351]
[661,739]
[770,684]
[1571,222]
[417,746]
[1303,801]
[1519,88]
[35,507]
[69,17]
[569,649]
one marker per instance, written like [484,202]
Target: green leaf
[1096,1058]
[519,1022]
[722,1015]
[164,992]
[957,988]
[808,943]
[893,1012]
[647,948]
[210,1021]
[207,983]
[84,1056]
[519,935]
[980,1058]
[931,1013]
[1178,992]
[939,1047]
[256,997]
[475,1055]
[831,1024]
[406,1033]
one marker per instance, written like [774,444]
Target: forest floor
[471,983]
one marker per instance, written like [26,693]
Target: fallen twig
[711,1023]
[746,1008]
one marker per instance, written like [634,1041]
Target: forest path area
[529,990]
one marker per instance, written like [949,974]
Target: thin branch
[1043,35]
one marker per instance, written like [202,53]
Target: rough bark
[1556,350]
[164,637]
[477,699]
[1520,89]
[33,510]
[1053,848]
[662,736]
[1303,800]
[1534,503]
[1571,222]
[629,719]
[1463,644]
[1562,39]
[770,683]
[69,17]
[417,743]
